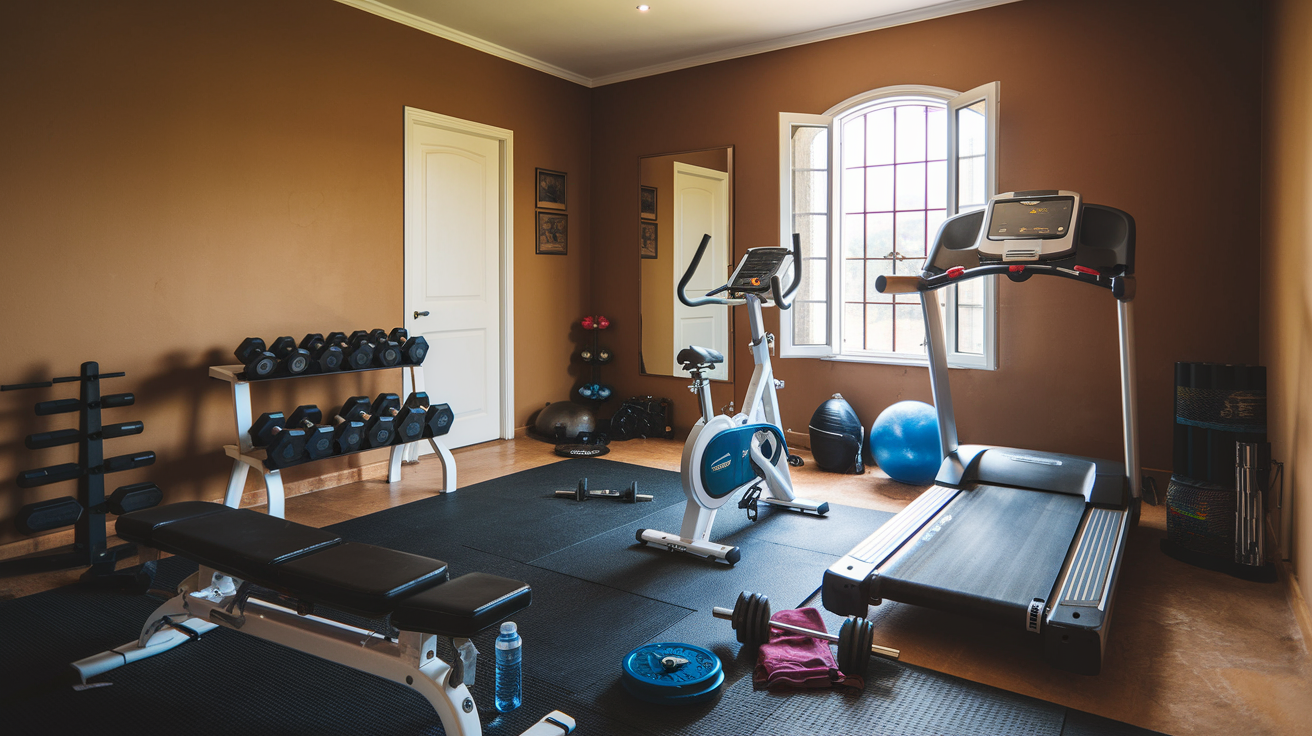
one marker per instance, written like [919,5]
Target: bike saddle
[693,357]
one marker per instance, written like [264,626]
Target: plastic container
[509,679]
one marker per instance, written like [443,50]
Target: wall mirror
[681,197]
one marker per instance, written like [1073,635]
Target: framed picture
[553,234]
[647,239]
[647,203]
[551,189]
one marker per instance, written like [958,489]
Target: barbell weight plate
[854,640]
[672,673]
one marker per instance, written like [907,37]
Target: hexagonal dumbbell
[255,358]
[379,429]
[292,361]
[355,355]
[413,349]
[360,345]
[283,446]
[348,434]
[319,437]
[386,352]
[324,358]
[438,419]
[408,418]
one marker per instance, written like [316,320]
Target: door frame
[505,139]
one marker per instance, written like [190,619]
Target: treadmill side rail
[1078,621]
[848,583]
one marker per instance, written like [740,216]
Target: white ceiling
[596,42]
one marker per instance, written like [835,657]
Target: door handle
[420,314]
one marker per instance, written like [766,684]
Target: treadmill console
[757,268]
[1037,225]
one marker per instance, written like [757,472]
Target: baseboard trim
[1297,603]
[797,439]
[521,432]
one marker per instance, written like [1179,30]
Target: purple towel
[794,661]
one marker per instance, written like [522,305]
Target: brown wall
[1150,107]
[1286,296]
[177,176]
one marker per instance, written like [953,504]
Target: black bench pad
[360,578]
[241,541]
[317,567]
[464,606]
[139,526]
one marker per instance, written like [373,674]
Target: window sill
[920,361]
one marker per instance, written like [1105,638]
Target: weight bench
[265,576]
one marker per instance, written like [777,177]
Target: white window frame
[991,95]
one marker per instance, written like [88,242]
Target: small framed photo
[551,190]
[553,234]
[647,239]
[647,203]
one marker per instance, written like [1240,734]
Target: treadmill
[1025,538]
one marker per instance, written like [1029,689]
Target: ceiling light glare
[643,8]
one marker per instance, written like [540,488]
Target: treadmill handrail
[1122,287]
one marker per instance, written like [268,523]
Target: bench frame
[410,659]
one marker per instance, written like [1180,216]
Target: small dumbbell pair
[287,439]
[595,391]
[602,355]
[595,323]
[282,358]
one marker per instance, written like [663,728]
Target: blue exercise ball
[904,441]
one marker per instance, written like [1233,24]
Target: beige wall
[1150,107]
[1286,294]
[177,176]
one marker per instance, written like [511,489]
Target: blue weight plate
[672,673]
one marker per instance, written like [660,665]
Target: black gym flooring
[597,594]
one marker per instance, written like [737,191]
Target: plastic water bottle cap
[508,627]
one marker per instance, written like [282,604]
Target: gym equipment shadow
[596,596]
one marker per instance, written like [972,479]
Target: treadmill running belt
[989,553]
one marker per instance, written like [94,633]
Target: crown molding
[464,39]
[951,7]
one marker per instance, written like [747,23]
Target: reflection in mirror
[682,197]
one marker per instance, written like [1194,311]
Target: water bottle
[510,688]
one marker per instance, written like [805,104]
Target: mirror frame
[729,359]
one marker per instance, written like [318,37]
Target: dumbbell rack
[90,546]
[246,456]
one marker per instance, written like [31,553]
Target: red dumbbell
[589,324]
[602,323]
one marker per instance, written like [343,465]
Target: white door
[456,197]
[701,206]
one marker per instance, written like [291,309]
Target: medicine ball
[837,436]
[564,420]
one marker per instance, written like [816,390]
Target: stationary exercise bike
[725,455]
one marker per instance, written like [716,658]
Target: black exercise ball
[837,437]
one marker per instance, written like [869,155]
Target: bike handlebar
[776,290]
[687,276]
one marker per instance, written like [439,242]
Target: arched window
[866,185]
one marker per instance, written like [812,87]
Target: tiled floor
[1191,651]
